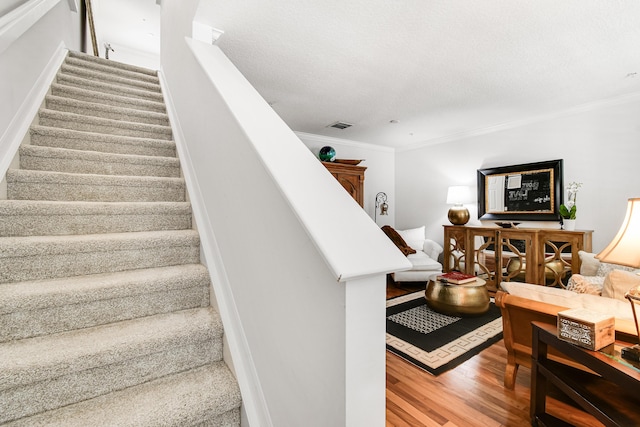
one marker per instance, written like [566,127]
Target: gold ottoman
[469,299]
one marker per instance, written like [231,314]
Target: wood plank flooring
[469,395]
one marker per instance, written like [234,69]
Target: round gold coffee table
[469,299]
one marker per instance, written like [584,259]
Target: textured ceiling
[440,69]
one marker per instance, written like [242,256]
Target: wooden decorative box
[586,328]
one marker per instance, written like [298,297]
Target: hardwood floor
[470,395]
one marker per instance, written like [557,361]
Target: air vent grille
[340,125]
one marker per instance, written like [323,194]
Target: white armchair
[425,260]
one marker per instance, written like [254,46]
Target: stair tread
[37,359]
[97,156]
[84,135]
[75,92]
[14,247]
[105,108]
[187,398]
[46,293]
[73,117]
[78,62]
[42,207]
[114,78]
[111,63]
[95,86]
[25,175]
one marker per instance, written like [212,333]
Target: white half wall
[600,146]
[380,173]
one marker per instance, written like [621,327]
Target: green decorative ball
[327,154]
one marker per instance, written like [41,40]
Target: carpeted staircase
[104,305]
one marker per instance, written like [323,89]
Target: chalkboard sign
[531,191]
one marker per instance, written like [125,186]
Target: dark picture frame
[528,192]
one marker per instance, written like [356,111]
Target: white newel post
[365,351]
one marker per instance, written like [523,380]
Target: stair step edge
[47,293]
[104,108]
[109,75]
[77,62]
[111,63]
[37,359]
[75,92]
[96,156]
[17,247]
[120,90]
[187,398]
[73,117]
[100,137]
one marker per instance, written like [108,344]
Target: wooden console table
[609,392]
[533,255]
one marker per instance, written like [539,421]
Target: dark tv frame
[556,196]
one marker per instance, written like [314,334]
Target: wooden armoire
[350,177]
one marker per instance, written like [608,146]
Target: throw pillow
[618,282]
[414,237]
[585,284]
[398,240]
[588,263]
[605,268]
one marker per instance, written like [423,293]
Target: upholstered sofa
[423,254]
[522,303]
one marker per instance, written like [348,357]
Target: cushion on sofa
[588,263]
[618,282]
[414,237]
[585,284]
[423,262]
[605,268]
[398,240]
[432,249]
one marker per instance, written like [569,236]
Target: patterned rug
[436,342]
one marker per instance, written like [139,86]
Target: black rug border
[438,337]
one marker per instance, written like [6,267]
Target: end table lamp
[457,195]
[624,249]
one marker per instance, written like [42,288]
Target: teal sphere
[327,154]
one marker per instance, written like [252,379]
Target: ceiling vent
[340,125]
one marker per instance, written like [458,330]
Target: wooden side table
[611,392]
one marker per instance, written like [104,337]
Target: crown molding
[328,140]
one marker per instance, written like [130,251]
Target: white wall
[293,257]
[8,5]
[600,146]
[23,63]
[131,56]
[380,173]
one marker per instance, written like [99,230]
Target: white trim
[19,20]
[522,122]
[19,126]
[332,140]
[253,399]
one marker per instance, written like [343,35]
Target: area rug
[436,342]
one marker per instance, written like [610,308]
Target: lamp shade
[458,195]
[624,249]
